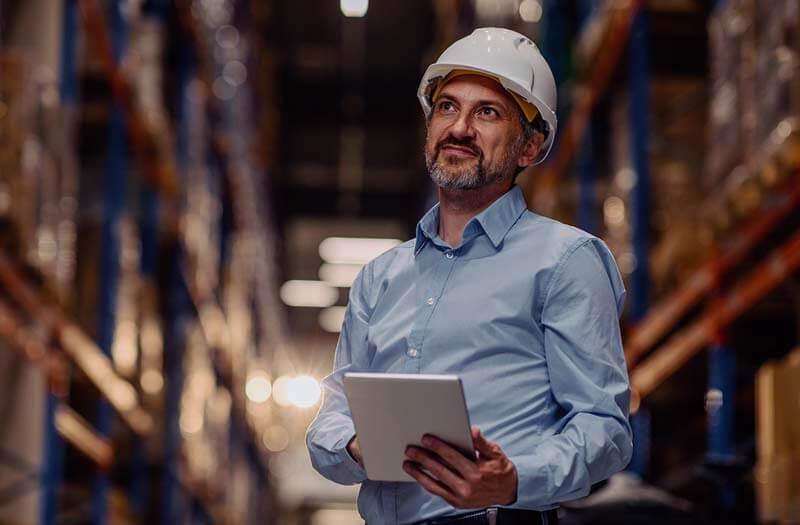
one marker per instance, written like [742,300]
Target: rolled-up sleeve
[588,379]
[332,429]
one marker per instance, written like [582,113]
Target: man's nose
[462,127]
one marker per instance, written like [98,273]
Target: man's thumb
[481,443]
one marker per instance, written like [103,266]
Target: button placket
[429,292]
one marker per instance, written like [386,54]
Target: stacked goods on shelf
[14,122]
[732,48]
[677,118]
[778,70]
[755,105]
[759,185]
[616,197]
[37,190]
[149,124]
[777,472]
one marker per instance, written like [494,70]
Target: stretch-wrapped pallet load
[732,117]
[778,70]
[777,471]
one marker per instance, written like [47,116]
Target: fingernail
[427,441]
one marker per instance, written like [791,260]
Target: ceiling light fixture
[309,293]
[354,8]
[354,250]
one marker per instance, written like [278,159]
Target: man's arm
[588,379]
[332,430]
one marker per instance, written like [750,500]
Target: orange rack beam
[72,427]
[664,315]
[685,344]
[80,348]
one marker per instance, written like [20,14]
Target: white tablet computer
[392,411]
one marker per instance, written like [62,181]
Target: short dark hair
[538,125]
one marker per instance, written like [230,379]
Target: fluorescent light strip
[309,293]
[331,319]
[354,250]
[354,8]
[341,275]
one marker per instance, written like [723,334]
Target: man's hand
[491,479]
[355,451]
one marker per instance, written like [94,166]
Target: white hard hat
[511,58]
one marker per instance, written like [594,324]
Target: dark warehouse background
[188,188]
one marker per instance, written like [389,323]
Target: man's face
[474,135]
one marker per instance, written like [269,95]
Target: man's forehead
[476,87]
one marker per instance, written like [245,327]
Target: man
[523,308]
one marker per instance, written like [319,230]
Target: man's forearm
[327,439]
[564,466]
[354,449]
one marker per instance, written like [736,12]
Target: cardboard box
[777,471]
[773,481]
[773,435]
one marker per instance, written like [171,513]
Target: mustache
[463,143]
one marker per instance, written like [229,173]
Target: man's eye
[445,106]
[487,111]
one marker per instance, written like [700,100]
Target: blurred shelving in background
[188,188]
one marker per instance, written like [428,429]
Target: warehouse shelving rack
[612,28]
[608,30]
[64,341]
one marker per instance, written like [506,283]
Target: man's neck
[457,207]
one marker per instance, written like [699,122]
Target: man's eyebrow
[492,103]
[498,103]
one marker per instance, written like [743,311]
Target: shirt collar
[495,221]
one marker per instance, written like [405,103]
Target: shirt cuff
[531,480]
[350,463]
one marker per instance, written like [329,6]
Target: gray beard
[476,176]
[470,179]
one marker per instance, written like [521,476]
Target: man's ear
[531,150]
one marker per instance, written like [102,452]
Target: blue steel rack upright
[113,206]
[53,456]
[640,137]
[587,190]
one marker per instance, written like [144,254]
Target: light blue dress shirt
[526,311]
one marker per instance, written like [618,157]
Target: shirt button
[449,255]
[430,300]
[412,352]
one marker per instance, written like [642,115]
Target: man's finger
[484,446]
[450,479]
[428,483]
[453,457]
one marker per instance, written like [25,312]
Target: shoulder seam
[561,263]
